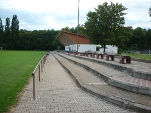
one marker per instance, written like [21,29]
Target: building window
[97,48]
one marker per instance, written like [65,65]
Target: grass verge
[15,70]
[140,56]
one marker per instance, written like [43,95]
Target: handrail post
[33,86]
[39,71]
[41,66]
[45,58]
[43,61]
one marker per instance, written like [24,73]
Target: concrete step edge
[113,82]
[115,100]
[134,73]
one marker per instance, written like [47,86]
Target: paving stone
[58,93]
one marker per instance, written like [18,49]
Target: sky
[57,14]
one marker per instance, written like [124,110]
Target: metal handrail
[40,64]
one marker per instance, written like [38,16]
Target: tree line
[139,36]
[11,38]
[104,26]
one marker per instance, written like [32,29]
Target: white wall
[72,48]
[110,49]
[90,47]
[86,47]
[67,48]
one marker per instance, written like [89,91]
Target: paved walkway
[58,93]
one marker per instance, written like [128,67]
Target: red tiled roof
[73,38]
[80,39]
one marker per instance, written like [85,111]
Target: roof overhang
[64,39]
[67,38]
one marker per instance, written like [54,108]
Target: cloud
[137,13]
[40,6]
[56,14]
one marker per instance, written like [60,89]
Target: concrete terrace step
[135,81]
[113,77]
[136,69]
[98,87]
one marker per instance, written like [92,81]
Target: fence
[40,64]
[138,52]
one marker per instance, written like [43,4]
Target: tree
[148,38]
[149,12]
[15,25]
[14,30]
[123,37]
[38,40]
[7,26]
[81,30]
[128,33]
[139,38]
[7,40]
[105,25]
[1,33]
[66,29]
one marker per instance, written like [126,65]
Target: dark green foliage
[7,26]
[119,51]
[148,39]
[105,25]
[81,30]
[105,30]
[14,31]
[149,12]
[15,25]
[14,39]
[139,38]
[38,40]
[1,33]
[66,29]
[7,35]
[1,26]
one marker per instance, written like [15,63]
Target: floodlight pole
[78,25]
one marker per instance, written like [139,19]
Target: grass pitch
[15,70]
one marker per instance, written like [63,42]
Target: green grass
[15,70]
[140,56]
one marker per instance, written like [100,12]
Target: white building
[71,40]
